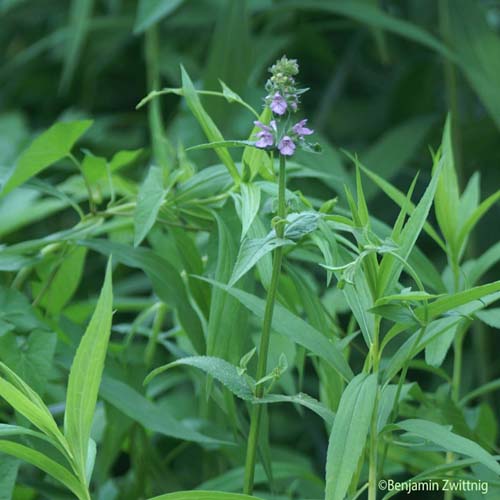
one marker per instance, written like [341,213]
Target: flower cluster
[283,100]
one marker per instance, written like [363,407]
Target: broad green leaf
[348,436]
[150,12]
[207,124]
[203,495]
[250,202]
[48,148]
[165,279]
[301,223]
[443,437]
[149,200]
[150,415]
[252,250]
[219,369]
[85,375]
[45,464]
[295,328]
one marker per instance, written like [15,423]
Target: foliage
[271,322]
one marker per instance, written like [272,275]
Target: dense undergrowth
[205,295]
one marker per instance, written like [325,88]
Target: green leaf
[203,495]
[400,199]
[295,328]
[250,202]
[441,436]
[85,375]
[45,464]
[8,474]
[63,284]
[219,369]
[48,148]
[226,144]
[302,399]
[150,12]
[207,124]
[225,310]
[490,316]
[149,200]
[31,358]
[24,400]
[449,302]
[390,274]
[447,198]
[252,250]
[150,415]
[348,435]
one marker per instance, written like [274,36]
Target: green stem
[158,140]
[256,416]
[157,324]
[372,468]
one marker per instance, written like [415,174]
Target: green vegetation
[228,274]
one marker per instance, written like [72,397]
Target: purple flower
[300,129]
[278,104]
[265,136]
[286,146]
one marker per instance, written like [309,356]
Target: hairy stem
[256,416]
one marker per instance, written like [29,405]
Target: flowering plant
[283,99]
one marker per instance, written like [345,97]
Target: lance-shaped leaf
[85,375]
[440,435]
[348,435]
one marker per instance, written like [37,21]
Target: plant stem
[157,132]
[255,419]
[372,470]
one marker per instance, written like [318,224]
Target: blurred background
[382,74]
